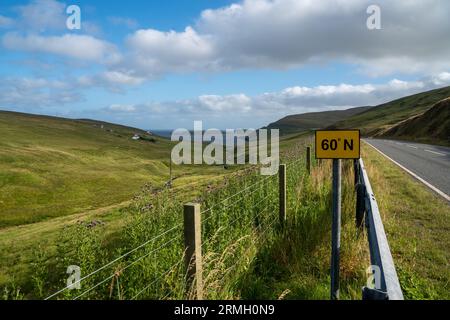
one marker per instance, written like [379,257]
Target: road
[428,162]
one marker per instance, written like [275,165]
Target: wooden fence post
[308,159]
[282,192]
[193,248]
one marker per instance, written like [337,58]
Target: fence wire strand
[226,207]
[172,240]
[154,281]
[237,193]
[126,267]
[114,261]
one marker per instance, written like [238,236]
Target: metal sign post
[336,229]
[337,145]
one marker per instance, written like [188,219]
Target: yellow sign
[337,144]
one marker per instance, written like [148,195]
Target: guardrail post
[360,205]
[308,159]
[356,170]
[336,229]
[193,248]
[360,195]
[282,193]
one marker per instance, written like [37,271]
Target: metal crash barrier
[386,283]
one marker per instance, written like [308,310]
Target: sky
[231,64]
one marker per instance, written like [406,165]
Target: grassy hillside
[245,257]
[24,247]
[433,125]
[314,120]
[51,167]
[379,119]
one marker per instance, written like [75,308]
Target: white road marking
[412,147]
[429,185]
[441,154]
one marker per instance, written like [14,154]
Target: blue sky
[164,64]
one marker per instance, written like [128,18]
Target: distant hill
[53,166]
[380,119]
[313,120]
[430,126]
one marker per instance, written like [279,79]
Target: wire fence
[242,208]
[112,262]
[153,282]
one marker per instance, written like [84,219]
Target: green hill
[52,166]
[313,120]
[432,125]
[380,119]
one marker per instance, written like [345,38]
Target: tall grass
[296,263]
[145,259]
[246,253]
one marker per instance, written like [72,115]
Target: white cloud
[121,108]
[48,16]
[42,15]
[279,34]
[252,34]
[442,78]
[155,52]
[121,78]
[284,33]
[295,99]
[6,22]
[111,80]
[28,93]
[262,109]
[230,103]
[81,47]
[258,34]
[34,93]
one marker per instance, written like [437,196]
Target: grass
[55,172]
[380,118]
[417,224]
[52,167]
[296,264]
[238,229]
[310,121]
[433,126]
[246,253]
[41,240]
[18,244]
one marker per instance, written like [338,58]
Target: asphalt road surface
[431,163]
